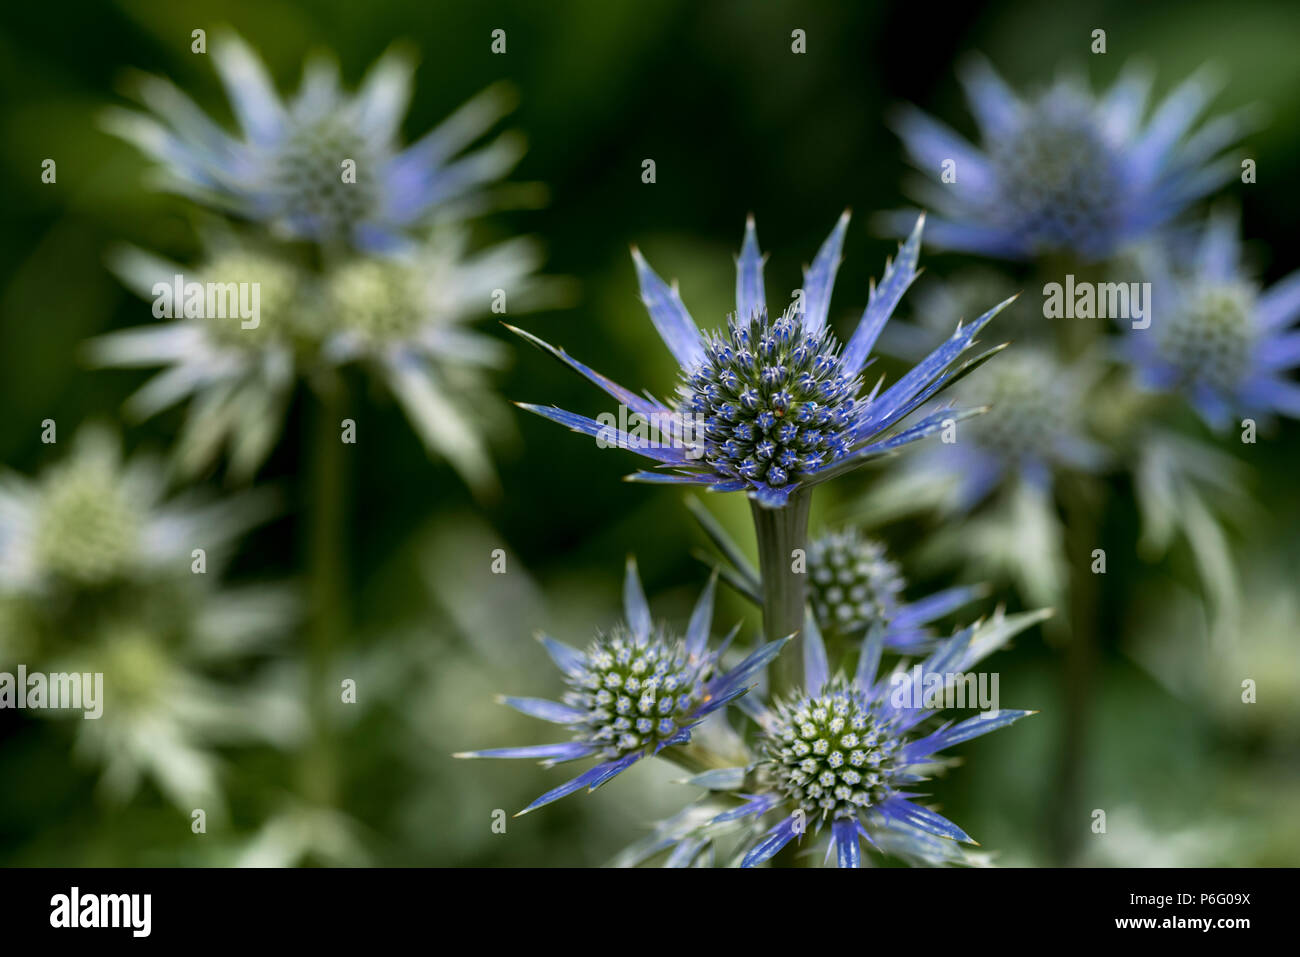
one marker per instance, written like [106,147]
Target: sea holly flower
[171,711]
[1064,172]
[853,586]
[844,754]
[238,374]
[1216,337]
[404,316]
[97,577]
[95,519]
[326,166]
[1035,425]
[773,404]
[636,691]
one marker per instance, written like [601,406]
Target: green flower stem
[1083,503]
[779,532]
[325,562]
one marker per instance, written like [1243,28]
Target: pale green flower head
[95,518]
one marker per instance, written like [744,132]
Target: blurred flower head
[403,316]
[237,374]
[1035,424]
[169,707]
[94,518]
[1217,337]
[326,165]
[1064,171]
[774,403]
[635,691]
[168,702]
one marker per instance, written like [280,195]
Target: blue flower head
[326,165]
[772,403]
[1216,337]
[846,753]
[635,691]
[1064,171]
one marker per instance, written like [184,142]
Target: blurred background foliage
[735,123]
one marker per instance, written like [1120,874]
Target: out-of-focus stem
[779,532]
[327,588]
[1069,815]
[1082,501]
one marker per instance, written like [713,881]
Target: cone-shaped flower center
[636,695]
[1060,185]
[1030,406]
[852,583]
[829,754]
[377,300]
[87,529]
[323,175]
[238,272]
[775,400]
[144,673]
[1209,336]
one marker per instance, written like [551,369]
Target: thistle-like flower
[1065,172]
[774,404]
[1036,425]
[169,708]
[1216,337]
[634,692]
[325,166]
[404,316]
[238,373]
[94,520]
[845,753]
[97,578]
